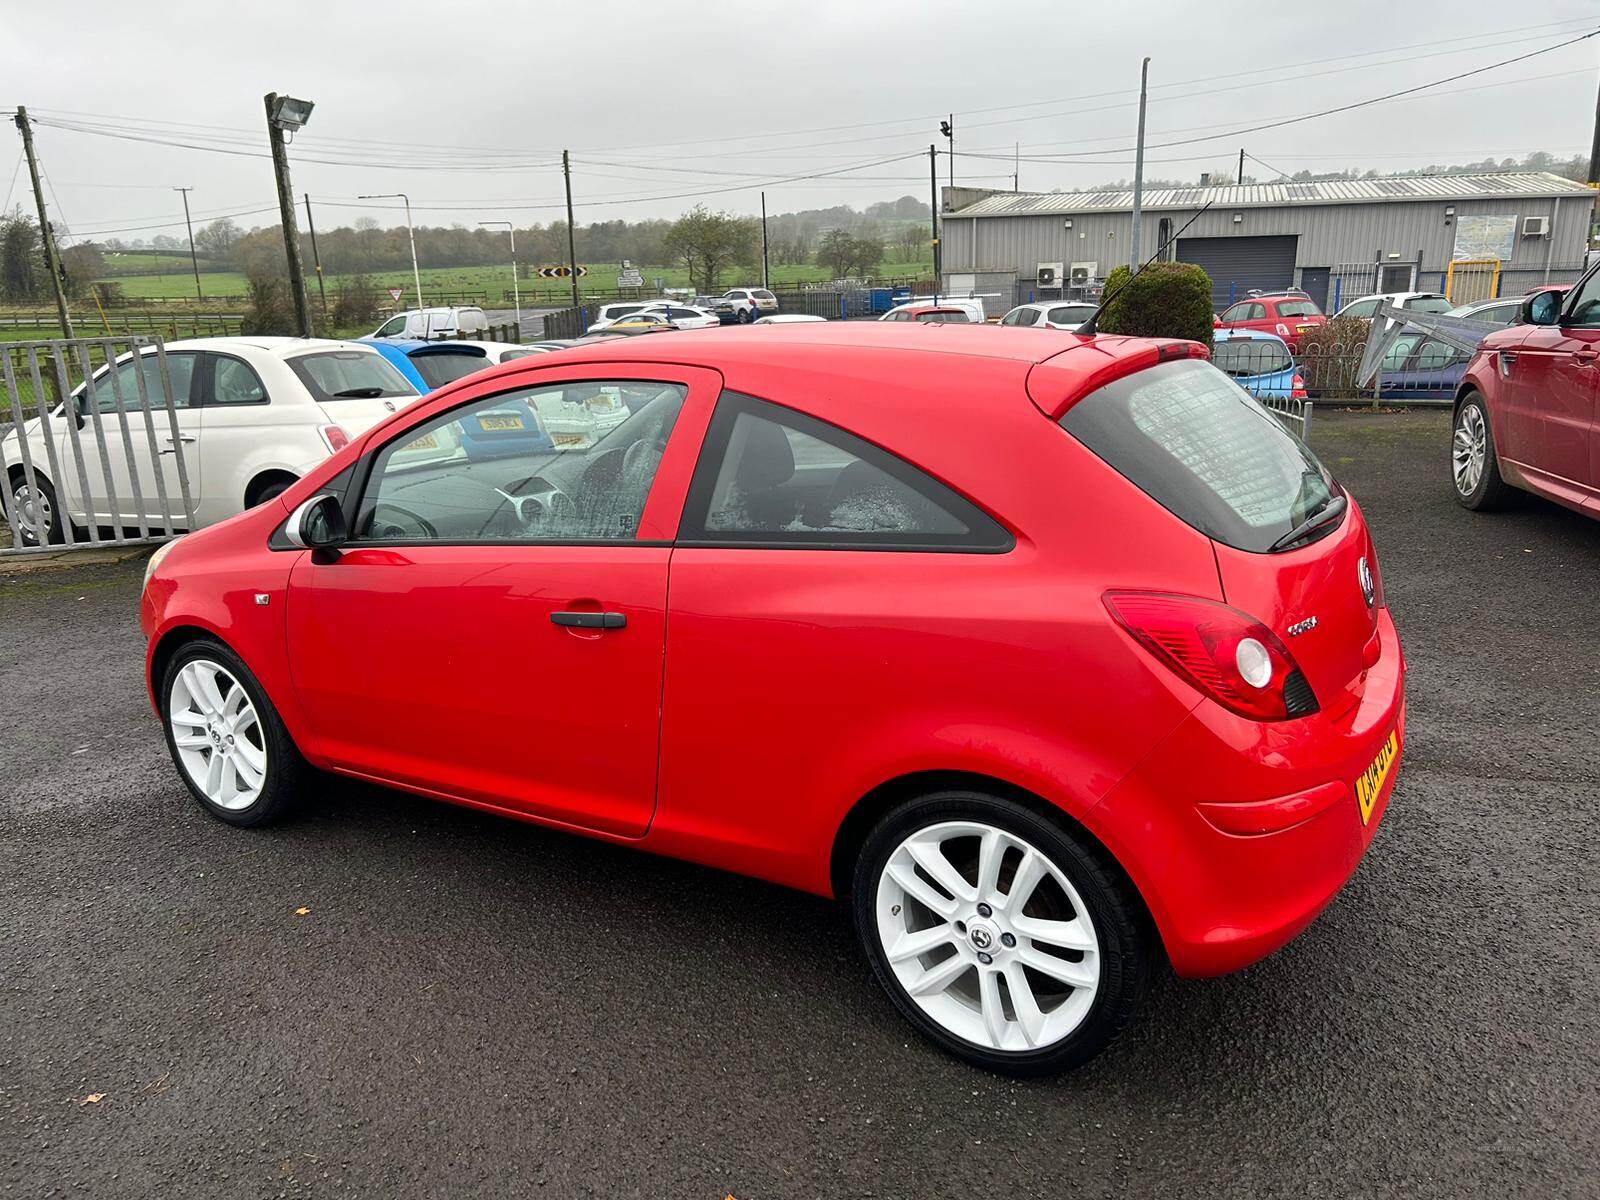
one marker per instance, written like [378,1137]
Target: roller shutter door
[1238,264]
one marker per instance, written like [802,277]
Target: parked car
[1427,302]
[1258,362]
[1418,367]
[1020,851]
[431,365]
[1050,314]
[750,303]
[948,310]
[678,316]
[253,415]
[720,305]
[635,323]
[1525,412]
[1502,310]
[1289,315]
[789,319]
[431,323]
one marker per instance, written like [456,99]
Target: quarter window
[771,476]
[234,381]
[560,463]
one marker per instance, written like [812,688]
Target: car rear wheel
[36,511]
[744,316]
[997,933]
[225,737]
[1474,466]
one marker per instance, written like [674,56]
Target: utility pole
[948,128]
[933,197]
[1241,166]
[572,242]
[764,282]
[1016,165]
[1138,166]
[51,258]
[193,262]
[284,112]
[316,259]
[1594,148]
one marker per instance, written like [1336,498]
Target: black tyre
[1474,465]
[226,738]
[269,491]
[1004,937]
[36,510]
[744,316]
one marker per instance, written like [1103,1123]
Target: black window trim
[988,534]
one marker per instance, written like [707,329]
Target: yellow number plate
[426,442]
[489,423]
[1370,785]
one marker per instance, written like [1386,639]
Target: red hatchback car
[1290,316]
[1055,660]
[1527,412]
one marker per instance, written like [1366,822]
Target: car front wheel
[999,934]
[226,738]
[1474,466]
[36,511]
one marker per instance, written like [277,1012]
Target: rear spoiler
[1389,322]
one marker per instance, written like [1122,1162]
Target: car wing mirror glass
[1542,308]
[318,524]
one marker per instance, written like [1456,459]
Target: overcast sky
[469,114]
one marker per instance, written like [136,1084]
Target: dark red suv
[1289,315]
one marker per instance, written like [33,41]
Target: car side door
[494,629]
[1554,375]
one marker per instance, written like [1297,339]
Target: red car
[1526,409]
[1054,660]
[1289,315]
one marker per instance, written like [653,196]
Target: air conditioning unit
[1535,226]
[1083,274]
[1049,275]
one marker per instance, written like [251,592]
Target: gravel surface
[390,997]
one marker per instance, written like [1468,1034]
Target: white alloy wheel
[988,936]
[217,731]
[1469,449]
[34,514]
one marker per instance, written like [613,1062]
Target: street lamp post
[416,275]
[516,292]
[189,225]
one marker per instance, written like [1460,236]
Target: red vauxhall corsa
[1290,316]
[1055,659]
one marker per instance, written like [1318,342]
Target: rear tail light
[1229,656]
[1283,330]
[1299,384]
[335,437]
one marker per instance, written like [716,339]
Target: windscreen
[1199,446]
[1244,357]
[438,369]
[1428,304]
[349,375]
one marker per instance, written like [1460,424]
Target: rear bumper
[1222,898]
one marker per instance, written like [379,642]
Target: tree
[845,254]
[911,242]
[22,269]
[164,242]
[707,243]
[82,265]
[216,239]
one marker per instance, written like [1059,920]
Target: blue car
[1418,367]
[1258,362]
[510,428]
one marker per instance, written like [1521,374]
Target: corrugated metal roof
[1258,195]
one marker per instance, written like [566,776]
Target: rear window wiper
[361,393]
[1328,513]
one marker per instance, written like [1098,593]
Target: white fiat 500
[252,415]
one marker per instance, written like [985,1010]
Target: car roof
[1247,335]
[279,347]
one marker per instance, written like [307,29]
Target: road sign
[561,272]
[630,278]
[396,293]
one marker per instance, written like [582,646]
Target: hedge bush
[1330,355]
[1166,299]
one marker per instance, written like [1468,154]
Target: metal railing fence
[91,469]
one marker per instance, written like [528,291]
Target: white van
[432,323]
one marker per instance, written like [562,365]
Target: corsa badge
[1300,627]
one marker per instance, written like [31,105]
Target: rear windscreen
[1245,356]
[1199,446]
[349,375]
[1298,308]
[439,369]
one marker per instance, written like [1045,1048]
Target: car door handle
[590,620]
[1586,357]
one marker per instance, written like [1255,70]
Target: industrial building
[1470,236]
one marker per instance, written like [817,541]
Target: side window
[1435,355]
[560,463]
[1400,351]
[392,328]
[1584,311]
[1258,312]
[179,364]
[234,381]
[1361,308]
[771,476]
[1235,313]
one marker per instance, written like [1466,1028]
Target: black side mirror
[1541,308]
[318,524]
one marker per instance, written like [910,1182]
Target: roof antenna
[1092,326]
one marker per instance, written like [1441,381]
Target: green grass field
[602,277]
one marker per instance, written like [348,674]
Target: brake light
[1229,656]
[335,437]
[1299,385]
[1283,330]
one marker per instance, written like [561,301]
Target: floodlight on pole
[516,292]
[416,275]
[289,113]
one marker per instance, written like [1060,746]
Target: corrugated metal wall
[1328,235]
